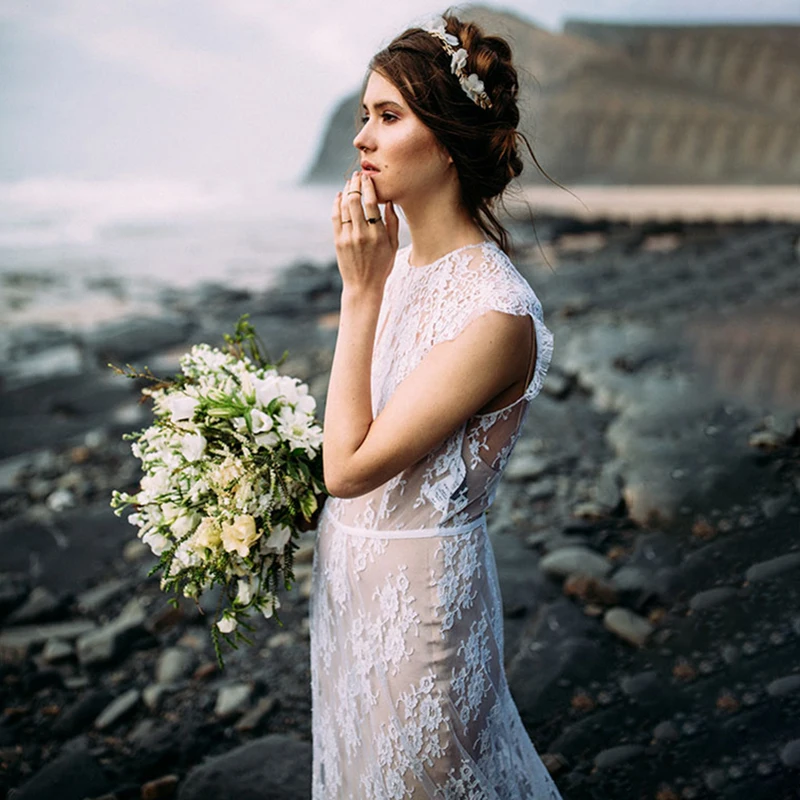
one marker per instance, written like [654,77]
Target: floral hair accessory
[471,84]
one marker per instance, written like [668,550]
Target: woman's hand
[365,250]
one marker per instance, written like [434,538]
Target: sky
[221,91]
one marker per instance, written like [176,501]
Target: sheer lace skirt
[409,693]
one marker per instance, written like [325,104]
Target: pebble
[627,625]
[666,732]
[57,650]
[60,500]
[572,560]
[711,597]
[161,788]
[541,490]
[614,756]
[16,641]
[174,664]
[525,467]
[556,385]
[764,570]
[154,693]
[233,699]
[117,709]
[253,718]
[93,600]
[772,506]
[632,579]
[108,642]
[41,603]
[781,687]
[790,754]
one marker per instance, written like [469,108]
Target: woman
[441,348]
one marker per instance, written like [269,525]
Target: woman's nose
[362,140]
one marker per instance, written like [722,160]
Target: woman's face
[407,158]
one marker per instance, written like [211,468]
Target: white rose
[240,535]
[192,446]
[181,407]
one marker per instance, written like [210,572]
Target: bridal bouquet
[232,469]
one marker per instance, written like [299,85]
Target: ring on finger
[354,191]
[346,221]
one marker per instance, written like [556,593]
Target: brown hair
[481,142]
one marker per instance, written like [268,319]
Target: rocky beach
[647,535]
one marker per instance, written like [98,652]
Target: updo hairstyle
[483,142]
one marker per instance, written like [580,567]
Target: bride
[441,348]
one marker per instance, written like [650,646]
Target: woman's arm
[454,381]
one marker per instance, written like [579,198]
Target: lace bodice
[424,306]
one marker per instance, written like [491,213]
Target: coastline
[645,534]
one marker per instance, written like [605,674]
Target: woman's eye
[386,117]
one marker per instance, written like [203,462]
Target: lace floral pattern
[409,693]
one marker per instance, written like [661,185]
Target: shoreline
[645,536]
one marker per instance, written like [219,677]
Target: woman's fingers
[336,214]
[370,197]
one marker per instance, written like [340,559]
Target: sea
[75,252]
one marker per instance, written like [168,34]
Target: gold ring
[354,191]
[346,221]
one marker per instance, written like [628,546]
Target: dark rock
[82,713]
[72,776]
[14,588]
[275,767]
[127,339]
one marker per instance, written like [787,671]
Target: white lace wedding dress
[409,692]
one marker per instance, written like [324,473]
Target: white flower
[459,60]
[267,388]
[227,624]
[473,84]
[240,535]
[156,542]
[184,524]
[208,533]
[181,406]
[261,422]
[267,440]
[306,404]
[269,605]
[192,446]
[245,592]
[278,538]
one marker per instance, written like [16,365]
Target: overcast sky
[223,90]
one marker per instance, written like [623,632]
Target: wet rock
[71,776]
[161,788]
[174,664]
[93,600]
[56,650]
[764,570]
[632,579]
[711,598]
[115,639]
[126,339]
[614,756]
[525,467]
[16,641]
[666,732]
[575,560]
[772,506]
[253,718]
[274,766]
[790,754]
[655,550]
[781,687]
[233,699]
[40,606]
[627,625]
[82,713]
[116,710]
[14,588]
[557,385]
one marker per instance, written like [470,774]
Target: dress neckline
[446,255]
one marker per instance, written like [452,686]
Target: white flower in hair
[459,60]
[473,85]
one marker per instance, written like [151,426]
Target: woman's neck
[438,223]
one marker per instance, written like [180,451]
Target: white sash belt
[411,533]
